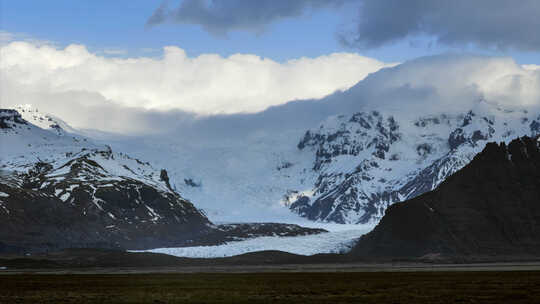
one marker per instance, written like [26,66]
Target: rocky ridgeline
[367,161]
[489,209]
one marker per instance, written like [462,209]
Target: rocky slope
[60,190]
[367,161]
[491,207]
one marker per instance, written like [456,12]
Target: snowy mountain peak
[73,192]
[44,120]
[351,136]
[65,155]
[366,161]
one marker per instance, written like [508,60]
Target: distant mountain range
[62,190]
[347,170]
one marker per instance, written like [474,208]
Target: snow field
[336,241]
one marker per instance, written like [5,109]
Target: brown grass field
[334,287]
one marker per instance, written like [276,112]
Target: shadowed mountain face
[490,207]
[84,206]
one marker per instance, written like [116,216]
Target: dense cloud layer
[450,83]
[204,85]
[156,95]
[221,16]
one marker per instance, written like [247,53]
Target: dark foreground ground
[105,276]
[283,287]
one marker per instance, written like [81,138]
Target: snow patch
[64,197]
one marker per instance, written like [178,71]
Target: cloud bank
[449,84]
[221,16]
[204,85]
[444,84]
[240,95]
[500,24]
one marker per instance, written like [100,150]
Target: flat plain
[275,287]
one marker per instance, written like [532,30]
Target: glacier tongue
[338,241]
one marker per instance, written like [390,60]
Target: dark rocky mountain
[84,206]
[10,118]
[490,208]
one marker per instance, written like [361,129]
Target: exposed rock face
[490,207]
[10,118]
[241,231]
[81,204]
[367,161]
[59,190]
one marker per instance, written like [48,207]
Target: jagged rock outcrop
[489,208]
[365,162]
[10,118]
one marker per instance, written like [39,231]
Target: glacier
[339,239]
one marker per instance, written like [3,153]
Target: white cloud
[207,84]
[149,94]
[531,67]
[452,83]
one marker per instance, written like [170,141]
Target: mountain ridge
[367,161]
[491,207]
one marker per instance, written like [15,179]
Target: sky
[140,59]
[122,28]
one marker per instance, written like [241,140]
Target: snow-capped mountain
[347,169]
[24,144]
[44,121]
[369,160]
[60,190]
